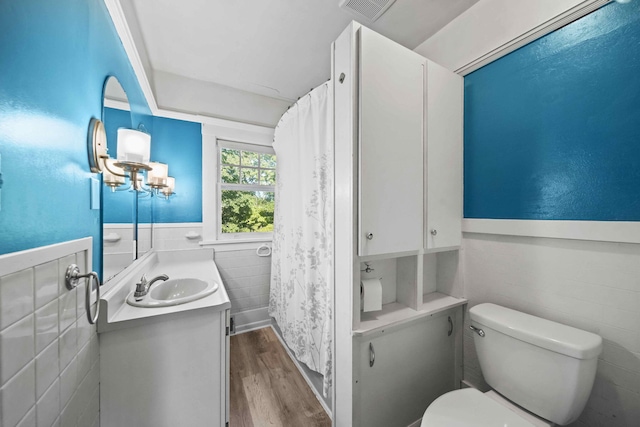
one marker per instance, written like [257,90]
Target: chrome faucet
[142,287]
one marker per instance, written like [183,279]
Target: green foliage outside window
[247,211]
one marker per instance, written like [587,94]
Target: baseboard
[241,329]
[250,320]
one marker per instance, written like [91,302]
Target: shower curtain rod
[295,103]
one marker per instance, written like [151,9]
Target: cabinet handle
[369,236]
[450,326]
[434,231]
[372,355]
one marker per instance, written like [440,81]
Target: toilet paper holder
[368,269]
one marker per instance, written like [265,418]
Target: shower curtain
[301,266]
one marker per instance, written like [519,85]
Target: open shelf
[395,314]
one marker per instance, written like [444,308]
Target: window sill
[235,244]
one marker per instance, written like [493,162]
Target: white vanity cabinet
[409,150]
[401,371]
[165,366]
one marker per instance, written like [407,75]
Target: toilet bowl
[543,372]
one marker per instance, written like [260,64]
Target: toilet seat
[470,407]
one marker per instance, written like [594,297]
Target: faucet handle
[143,279]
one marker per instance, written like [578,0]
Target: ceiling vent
[370,9]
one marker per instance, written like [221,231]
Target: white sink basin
[174,292]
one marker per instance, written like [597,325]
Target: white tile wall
[246,277]
[49,357]
[594,286]
[174,236]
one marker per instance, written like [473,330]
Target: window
[247,178]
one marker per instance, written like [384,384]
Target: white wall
[593,286]
[179,93]
[246,278]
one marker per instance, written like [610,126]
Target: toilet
[541,373]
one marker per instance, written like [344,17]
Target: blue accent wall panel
[552,130]
[178,143]
[55,57]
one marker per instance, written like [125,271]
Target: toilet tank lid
[543,333]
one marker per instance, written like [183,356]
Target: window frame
[220,187]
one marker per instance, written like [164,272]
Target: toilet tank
[546,367]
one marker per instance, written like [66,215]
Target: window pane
[247,211]
[268,161]
[250,159]
[267,177]
[249,176]
[230,157]
[230,174]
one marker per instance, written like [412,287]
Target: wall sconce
[133,152]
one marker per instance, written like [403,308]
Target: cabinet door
[444,158]
[391,118]
[413,366]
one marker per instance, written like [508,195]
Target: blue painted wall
[175,142]
[179,143]
[552,131]
[55,56]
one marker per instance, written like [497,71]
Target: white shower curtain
[301,266]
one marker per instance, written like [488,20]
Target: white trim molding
[602,231]
[126,37]
[535,33]
[16,261]
[490,29]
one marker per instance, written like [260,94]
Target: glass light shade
[133,146]
[109,178]
[171,185]
[158,174]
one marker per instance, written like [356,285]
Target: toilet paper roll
[371,294]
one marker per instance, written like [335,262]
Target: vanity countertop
[115,313]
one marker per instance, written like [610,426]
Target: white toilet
[542,370]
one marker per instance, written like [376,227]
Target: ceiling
[277,48]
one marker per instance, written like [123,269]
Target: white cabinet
[166,371]
[398,195]
[443,213]
[391,105]
[409,150]
[412,366]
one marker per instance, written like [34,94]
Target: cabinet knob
[369,236]
[434,231]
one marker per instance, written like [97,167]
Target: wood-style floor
[267,388]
